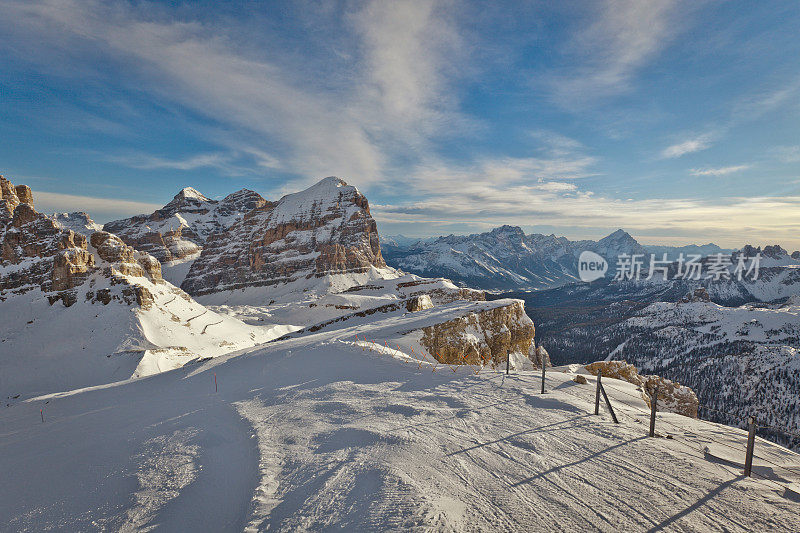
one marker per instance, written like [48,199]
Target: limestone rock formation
[326,229]
[540,357]
[38,253]
[483,336]
[180,229]
[672,396]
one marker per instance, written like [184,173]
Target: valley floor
[320,433]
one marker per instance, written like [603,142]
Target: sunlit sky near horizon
[677,121]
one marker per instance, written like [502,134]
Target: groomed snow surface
[321,432]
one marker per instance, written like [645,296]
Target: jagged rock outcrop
[440,290]
[483,336]
[180,229]
[78,221]
[37,253]
[672,396]
[540,357]
[326,229]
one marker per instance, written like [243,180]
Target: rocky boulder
[672,396]
[419,303]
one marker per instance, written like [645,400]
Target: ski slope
[325,432]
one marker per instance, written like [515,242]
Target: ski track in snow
[349,439]
[168,464]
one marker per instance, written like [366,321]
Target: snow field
[319,432]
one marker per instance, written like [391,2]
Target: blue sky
[678,121]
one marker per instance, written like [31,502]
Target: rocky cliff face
[484,336]
[326,229]
[180,229]
[37,253]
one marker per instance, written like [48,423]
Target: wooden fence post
[608,404]
[508,361]
[597,394]
[543,377]
[751,441]
[653,403]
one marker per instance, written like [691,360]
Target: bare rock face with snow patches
[78,221]
[486,335]
[326,229]
[180,229]
[36,252]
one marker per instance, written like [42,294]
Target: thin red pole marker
[41,412]
[448,364]
[405,360]
[215,383]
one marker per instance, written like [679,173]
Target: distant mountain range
[505,258]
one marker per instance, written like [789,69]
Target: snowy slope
[52,347]
[321,432]
[306,302]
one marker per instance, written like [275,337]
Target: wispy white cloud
[152,162]
[476,197]
[352,127]
[787,154]
[556,144]
[688,146]
[409,49]
[101,209]
[719,171]
[605,54]
[781,96]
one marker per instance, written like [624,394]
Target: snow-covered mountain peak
[190,193]
[77,221]
[177,232]
[330,197]
[619,236]
[508,230]
[329,182]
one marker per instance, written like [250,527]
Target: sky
[677,121]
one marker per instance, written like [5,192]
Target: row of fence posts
[751,436]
